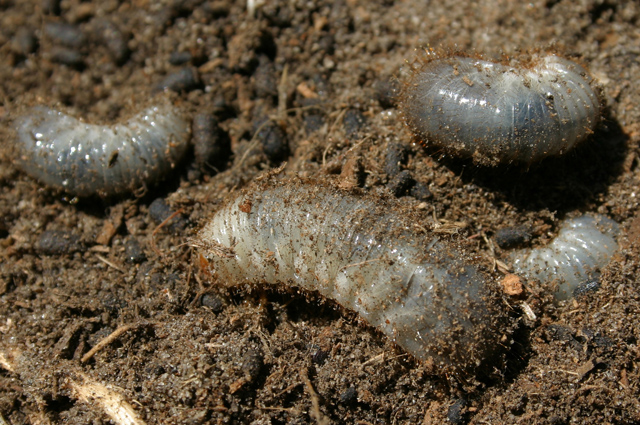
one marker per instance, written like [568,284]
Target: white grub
[584,246]
[364,253]
[85,159]
[516,111]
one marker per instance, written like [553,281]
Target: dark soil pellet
[133,252]
[421,192]
[313,123]
[213,302]
[385,92]
[349,396]
[319,356]
[180,58]
[401,183]
[353,122]
[510,237]
[211,145]
[113,38]
[266,80]
[50,7]
[395,157]
[252,363]
[65,56]
[184,80]
[457,412]
[65,34]
[58,242]
[274,142]
[160,211]
[586,287]
[24,42]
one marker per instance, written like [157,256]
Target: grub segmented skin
[85,159]
[366,254]
[584,246]
[519,111]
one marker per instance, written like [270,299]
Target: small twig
[160,226]
[110,338]
[315,400]
[109,263]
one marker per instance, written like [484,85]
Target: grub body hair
[519,111]
[364,253]
[86,159]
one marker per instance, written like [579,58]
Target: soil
[105,313]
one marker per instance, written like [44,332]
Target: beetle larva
[583,246]
[500,112]
[85,159]
[365,253]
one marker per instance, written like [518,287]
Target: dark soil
[314,81]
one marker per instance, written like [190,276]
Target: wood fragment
[110,338]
